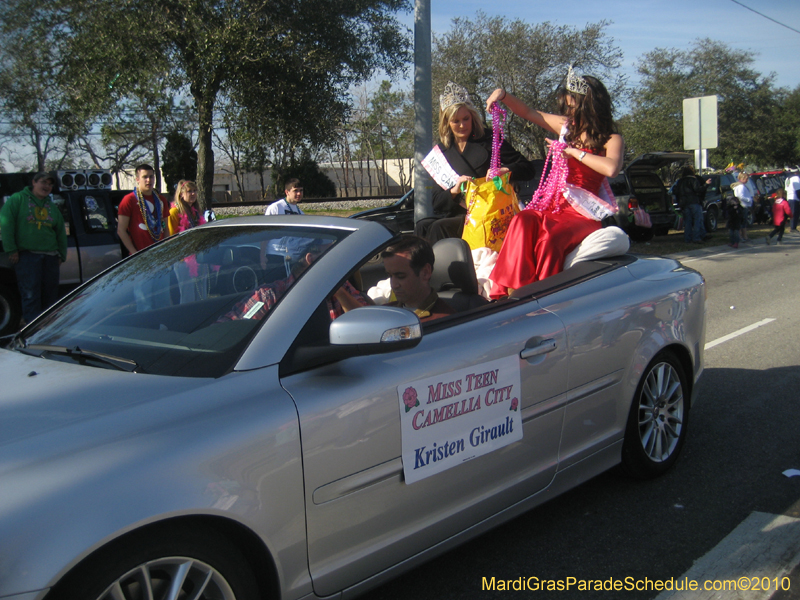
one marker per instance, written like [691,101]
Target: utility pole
[423,102]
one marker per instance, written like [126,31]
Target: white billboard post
[700,128]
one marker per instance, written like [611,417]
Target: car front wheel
[658,418]
[712,218]
[177,564]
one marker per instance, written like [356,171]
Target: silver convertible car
[200,421]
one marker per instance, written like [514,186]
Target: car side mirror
[377,329]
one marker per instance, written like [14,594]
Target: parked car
[296,456]
[398,216]
[90,217]
[639,184]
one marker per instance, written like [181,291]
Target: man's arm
[122,231]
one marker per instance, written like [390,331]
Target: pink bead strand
[498,135]
[550,191]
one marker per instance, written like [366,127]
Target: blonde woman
[192,277]
[466,146]
[184,213]
[745,197]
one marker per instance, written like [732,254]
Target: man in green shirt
[35,237]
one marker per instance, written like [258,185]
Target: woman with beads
[463,154]
[568,207]
[192,277]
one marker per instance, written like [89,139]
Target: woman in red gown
[540,237]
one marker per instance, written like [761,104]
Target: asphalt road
[743,435]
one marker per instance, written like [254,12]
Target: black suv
[639,184]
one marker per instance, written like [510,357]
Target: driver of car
[300,253]
[409,264]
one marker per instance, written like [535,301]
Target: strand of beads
[498,135]
[548,195]
[153,222]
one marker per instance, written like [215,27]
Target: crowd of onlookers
[769,197]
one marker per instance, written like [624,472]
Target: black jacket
[475,162]
[690,190]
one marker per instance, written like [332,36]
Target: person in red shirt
[141,222]
[142,213]
[781,212]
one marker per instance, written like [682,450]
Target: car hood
[41,395]
[656,160]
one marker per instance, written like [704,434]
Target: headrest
[453,268]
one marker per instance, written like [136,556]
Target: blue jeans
[693,230]
[37,280]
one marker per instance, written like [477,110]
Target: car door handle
[541,348]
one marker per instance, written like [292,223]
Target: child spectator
[734,222]
[780,213]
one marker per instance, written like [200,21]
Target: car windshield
[185,307]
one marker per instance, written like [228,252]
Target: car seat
[454,277]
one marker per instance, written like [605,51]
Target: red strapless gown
[537,243]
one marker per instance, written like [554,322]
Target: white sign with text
[457,416]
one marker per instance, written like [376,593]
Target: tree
[747,105]
[786,144]
[288,62]
[179,160]
[315,183]
[33,108]
[474,54]
[387,131]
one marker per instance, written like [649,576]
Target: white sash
[587,204]
[439,169]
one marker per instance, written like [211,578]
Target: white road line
[730,336]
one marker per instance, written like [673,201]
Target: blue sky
[639,26]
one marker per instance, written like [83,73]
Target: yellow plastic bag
[491,203]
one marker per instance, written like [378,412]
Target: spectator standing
[690,192]
[35,237]
[142,213]
[791,187]
[141,223]
[780,213]
[193,281]
[745,197]
[288,205]
[734,222]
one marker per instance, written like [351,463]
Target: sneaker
[734,246]
[766,239]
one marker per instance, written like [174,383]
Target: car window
[186,307]
[62,205]
[644,183]
[95,214]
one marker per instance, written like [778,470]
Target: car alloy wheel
[658,418]
[171,577]
[162,562]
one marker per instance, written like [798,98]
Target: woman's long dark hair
[590,122]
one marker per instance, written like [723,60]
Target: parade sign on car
[457,416]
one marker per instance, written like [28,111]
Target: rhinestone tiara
[453,94]
[575,83]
